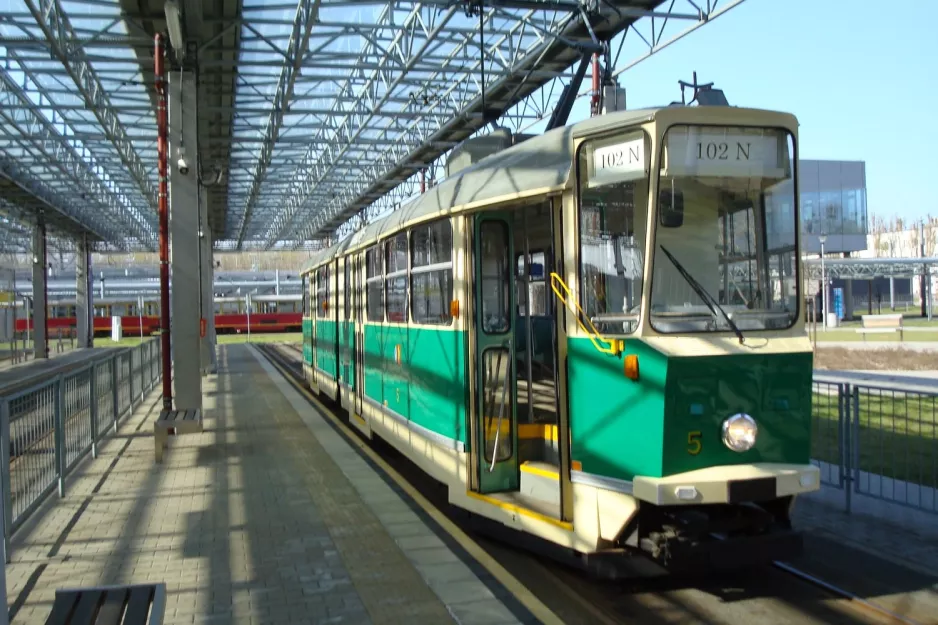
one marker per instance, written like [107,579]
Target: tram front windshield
[725,234]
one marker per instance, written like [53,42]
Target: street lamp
[823,239]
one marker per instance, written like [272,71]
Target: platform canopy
[314,117]
[870,268]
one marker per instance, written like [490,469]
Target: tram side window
[322,292]
[495,277]
[375,282]
[305,294]
[431,274]
[613,221]
[313,295]
[396,283]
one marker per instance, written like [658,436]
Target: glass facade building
[833,203]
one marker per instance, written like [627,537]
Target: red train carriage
[269,313]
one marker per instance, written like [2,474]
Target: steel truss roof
[314,118]
[868,268]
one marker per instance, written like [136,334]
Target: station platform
[268,516]
[22,375]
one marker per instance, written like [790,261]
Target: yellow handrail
[615,345]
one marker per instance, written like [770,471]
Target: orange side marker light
[454,309]
[631,367]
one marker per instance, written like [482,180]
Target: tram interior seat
[541,348]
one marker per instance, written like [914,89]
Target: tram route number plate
[709,152]
[618,162]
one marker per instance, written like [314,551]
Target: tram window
[375,281]
[322,292]
[613,222]
[305,295]
[734,243]
[495,276]
[431,275]
[396,283]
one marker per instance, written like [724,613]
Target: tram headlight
[740,432]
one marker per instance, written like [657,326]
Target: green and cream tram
[593,336]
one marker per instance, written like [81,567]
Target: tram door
[347,339]
[496,404]
[358,289]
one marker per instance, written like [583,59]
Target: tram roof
[533,167]
[537,166]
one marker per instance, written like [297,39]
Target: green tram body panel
[428,386]
[774,389]
[307,341]
[326,347]
[616,425]
[669,421]
[619,428]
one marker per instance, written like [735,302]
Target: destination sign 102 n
[721,153]
[618,162]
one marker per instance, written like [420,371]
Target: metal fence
[50,426]
[877,441]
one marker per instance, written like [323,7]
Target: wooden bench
[173,422]
[880,323]
[141,604]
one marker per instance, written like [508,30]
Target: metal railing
[49,427]
[878,442]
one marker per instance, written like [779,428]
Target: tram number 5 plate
[694,444]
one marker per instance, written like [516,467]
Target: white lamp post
[823,239]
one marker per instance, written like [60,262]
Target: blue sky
[850,70]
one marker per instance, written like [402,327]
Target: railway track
[782,593]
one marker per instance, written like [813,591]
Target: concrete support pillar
[892,293]
[184,241]
[84,295]
[40,302]
[207,276]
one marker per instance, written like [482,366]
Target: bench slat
[175,416]
[87,606]
[62,608]
[113,608]
[139,605]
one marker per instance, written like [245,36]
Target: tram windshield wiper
[708,299]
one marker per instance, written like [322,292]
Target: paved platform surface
[269,516]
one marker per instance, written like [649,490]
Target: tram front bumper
[728,484]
